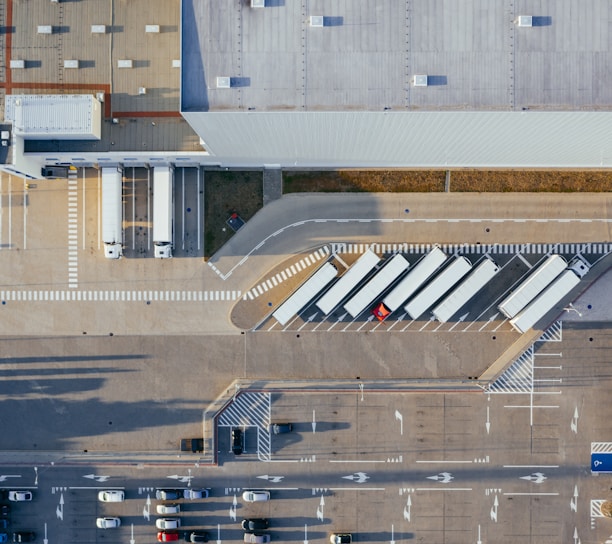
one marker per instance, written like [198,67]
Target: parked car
[257,539]
[168,509]
[24,536]
[112,495]
[255,524]
[20,496]
[108,523]
[237,441]
[168,523]
[168,494]
[163,536]
[256,496]
[340,538]
[281,428]
[195,494]
[196,536]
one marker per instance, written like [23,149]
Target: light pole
[571,308]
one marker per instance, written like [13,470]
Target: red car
[380,312]
[165,536]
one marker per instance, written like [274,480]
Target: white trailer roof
[305,293]
[381,281]
[474,282]
[545,301]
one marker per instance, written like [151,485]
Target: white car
[256,496]
[112,495]
[168,523]
[20,496]
[168,508]
[108,523]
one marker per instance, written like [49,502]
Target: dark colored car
[281,428]
[24,536]
[168,494]
[54,172]
[255,524]
[237,441]
[196,536]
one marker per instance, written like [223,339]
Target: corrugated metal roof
[527,139]
[54,116]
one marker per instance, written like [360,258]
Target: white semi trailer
[163,208]
[537,281]
[112,212]
[305,293]
[438,287]
[417,276]
[467,289]
[545,301]
[379,283]
[349,280]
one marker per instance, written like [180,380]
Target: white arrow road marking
[494,509]
[132,540]
[574,422]
[536,478]
[4,477]
[361,386]
[479,541]
[443,477]
[45,539]
[183,479]
[407,509]
[96,478]
[574,500]
[400,418]
[59,511]
[232,510]
[273,479]
[314,422]
[392,541]
[305,534]
[576,539]
[218,533]
[321,509]
[358,477]
[146,510]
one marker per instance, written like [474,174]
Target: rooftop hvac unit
[71,63]
[98,29]
[525,20]
[142,90]
[45,29]
[224,82]
[125,63]
[17,63]
[258,3]
[316,20]
[176,63]
[152,29]
[420,81]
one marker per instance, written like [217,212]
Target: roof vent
[17,63]
[125,63]
[525,20]
[152,29]
[98,29]
[316,20]
[45,29]
[71,63]
[420,81]
[224,82]
[258,3]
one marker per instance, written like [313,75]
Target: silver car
[168,509]
[257,539]
[108,523]
[168,523]
[20,496]
[112,495]
[256,496]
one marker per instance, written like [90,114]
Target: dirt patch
[356,181]
[226,193]
[425,181]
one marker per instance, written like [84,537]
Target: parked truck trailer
[349,280]
[112,212]
[535,283]
[545,301]
[305,293]
[438,287]
[163,211]
[376,285]
[417,276]
[467,289]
